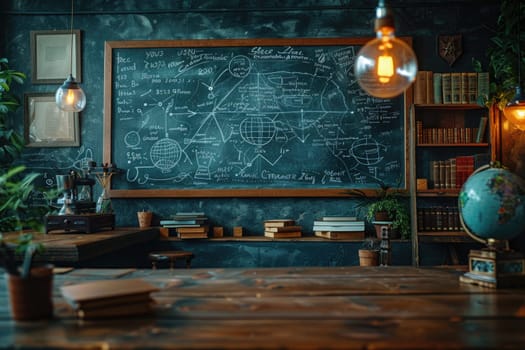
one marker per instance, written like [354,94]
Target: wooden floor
[288,308]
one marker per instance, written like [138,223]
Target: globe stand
[495,267]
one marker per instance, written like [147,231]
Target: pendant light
[514,111]
[386,66]
[70,97]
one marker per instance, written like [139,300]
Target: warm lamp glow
[386,66]
[515,110]
[70,97]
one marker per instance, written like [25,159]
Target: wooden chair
[171,256]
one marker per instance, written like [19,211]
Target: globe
[492,204]
[165,154]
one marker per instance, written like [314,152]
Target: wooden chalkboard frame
[229,192]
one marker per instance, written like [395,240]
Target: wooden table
[289,308]
[63,247]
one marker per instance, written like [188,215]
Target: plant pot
[368,257]
[382,216]
[31,298]
[392,234]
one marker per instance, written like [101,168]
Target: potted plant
[385,205]
[29,288]
[369,252]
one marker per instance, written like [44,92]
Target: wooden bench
[172,256]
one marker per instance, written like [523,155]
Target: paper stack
[110,298]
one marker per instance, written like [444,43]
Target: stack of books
[339,227]
[282,228]
[186,225]
[110,298]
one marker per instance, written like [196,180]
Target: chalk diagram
[239,119]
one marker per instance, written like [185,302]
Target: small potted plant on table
[29,288]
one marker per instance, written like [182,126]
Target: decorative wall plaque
[450,47]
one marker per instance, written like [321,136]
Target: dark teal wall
[102,20]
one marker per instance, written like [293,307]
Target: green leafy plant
[11,143]
[503,55]
[388,200]
[26,247]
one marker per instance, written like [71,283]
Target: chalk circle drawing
[165,154]
[367,151]
[132,139]
[257,131]
[240,66]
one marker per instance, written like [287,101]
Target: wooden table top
[288,308]
[75,247]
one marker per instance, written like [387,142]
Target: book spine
[429,98]
[437,89]
[420,87]
[455,87]
[464,88]
[446,87]
[472,87]
[481,129]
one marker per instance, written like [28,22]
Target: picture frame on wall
[52,57]
[46,125]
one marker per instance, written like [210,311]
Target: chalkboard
[247,117]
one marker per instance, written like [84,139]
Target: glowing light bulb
[70,97]
[386,66]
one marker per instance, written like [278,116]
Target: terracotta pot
[368,257]
[382,216]
[31,298]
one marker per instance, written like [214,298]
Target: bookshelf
[448,141]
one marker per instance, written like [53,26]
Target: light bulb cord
[519,46]
[71,42]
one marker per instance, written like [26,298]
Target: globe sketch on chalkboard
[257,131]
[265,116]
[165,154]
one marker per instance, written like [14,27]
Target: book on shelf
[464,167]
[351,235]
[183,222]
[420,87]
[472,78]
[429,97]
[455,87]
[291,234]
[340,228]
[199,229]
[192,235]
[358,223]
[179,225]
[481,129]
[437,89]
[446,87]
[279,222]
[284,228]
[339,218]
[438,218]
[187,216]
[464,91]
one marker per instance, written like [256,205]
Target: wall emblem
[450,47]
